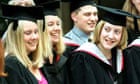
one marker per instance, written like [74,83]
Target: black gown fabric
[89,66]
[132,63]
[70,47]
[55,71]
[2,80]
[17,73]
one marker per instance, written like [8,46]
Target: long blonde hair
[46,42]
[15,46]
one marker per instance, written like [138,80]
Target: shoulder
[13,64]
[11,60]
[2,80]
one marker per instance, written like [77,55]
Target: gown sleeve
[81,72]
[132,65]
[17,72]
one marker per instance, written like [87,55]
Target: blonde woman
[53,26]
[101,61]
[23,45]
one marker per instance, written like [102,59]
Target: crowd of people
[102,47]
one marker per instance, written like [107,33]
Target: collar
[79,33]
[136,42]
[94,51]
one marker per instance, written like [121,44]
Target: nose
[56,27]
[94,18]
[34,36]
[111,35]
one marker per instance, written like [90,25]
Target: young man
[85,16]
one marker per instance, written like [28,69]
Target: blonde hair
[15,46]
[97,32]
[129,7]
[46,42]
[60,46]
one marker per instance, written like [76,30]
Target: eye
[117,32]
[58,24]
[27,32]
[87,14]
[50,24]
[107,29]
[36,32]
[95,13]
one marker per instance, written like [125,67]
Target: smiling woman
[102,59]
[23,45]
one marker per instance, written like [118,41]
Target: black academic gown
[132,63]
[89,66]
[55,71]
[2,80]
[70,47]
[17,73]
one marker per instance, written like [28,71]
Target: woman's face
[31,36]
[54,28]
[136,4]
[110,36]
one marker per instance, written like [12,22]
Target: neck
[107,53]
[36,73]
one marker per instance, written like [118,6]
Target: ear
[74,16]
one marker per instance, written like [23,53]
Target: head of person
[22,2]
[110,32]
[84,15]
[23,36]
[53,24]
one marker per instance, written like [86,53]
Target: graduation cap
[49,6]
[112,3]
[15,13]
[75,4]
[112,15]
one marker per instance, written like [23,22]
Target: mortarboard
[112,15]
[49,6]
[15,13]
[112,3]
[75,4]
[22,13]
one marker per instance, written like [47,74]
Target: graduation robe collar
[136,42]
[70,42]
[94,51]
[80,34]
